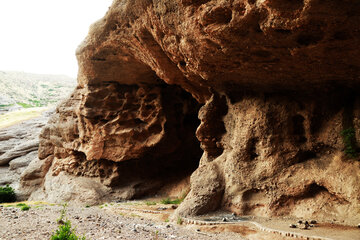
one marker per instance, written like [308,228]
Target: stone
[22,161]
[277,83]
[313,222]
[292,226]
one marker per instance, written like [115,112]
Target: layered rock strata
[18,148]
[278,81]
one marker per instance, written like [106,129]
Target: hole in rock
[312,190]
[182,63]
[252,148]
[219,15]
[306,39]
[304,156]
[298,129]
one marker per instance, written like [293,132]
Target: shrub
[7,194]
[65,232]
[349,142]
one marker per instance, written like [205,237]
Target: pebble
[292,226]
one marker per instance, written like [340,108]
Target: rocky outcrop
[18,148]
[278,83]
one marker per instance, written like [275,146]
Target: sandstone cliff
[278,82]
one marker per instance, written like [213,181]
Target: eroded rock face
[278,80]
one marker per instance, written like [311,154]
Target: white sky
[41,36]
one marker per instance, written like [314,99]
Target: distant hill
[24,90]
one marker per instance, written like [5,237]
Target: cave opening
[173,160]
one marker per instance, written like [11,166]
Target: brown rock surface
[278,80]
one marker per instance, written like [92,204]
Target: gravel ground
[95,223]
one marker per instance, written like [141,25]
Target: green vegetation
[350,142]
[6,105]
[149,203]
[60,220]
[7,194]
[65,231]
[169,201]
[24,105]
[25,208]
[179,221]
[156,237]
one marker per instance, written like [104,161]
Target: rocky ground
[138,220]
[95,223]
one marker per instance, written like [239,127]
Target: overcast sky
[41,36]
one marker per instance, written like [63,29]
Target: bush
[7,194]
[350,142]
[65,232]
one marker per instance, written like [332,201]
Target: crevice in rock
[252,149]
[298,129]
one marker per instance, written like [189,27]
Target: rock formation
[278,82]
[18,148]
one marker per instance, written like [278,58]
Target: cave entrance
[165,169]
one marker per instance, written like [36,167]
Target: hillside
[24,90]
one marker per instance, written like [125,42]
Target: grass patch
[24,105]
[25,208]
[169,201]
[149,203]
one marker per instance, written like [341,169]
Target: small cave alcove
[170,163]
